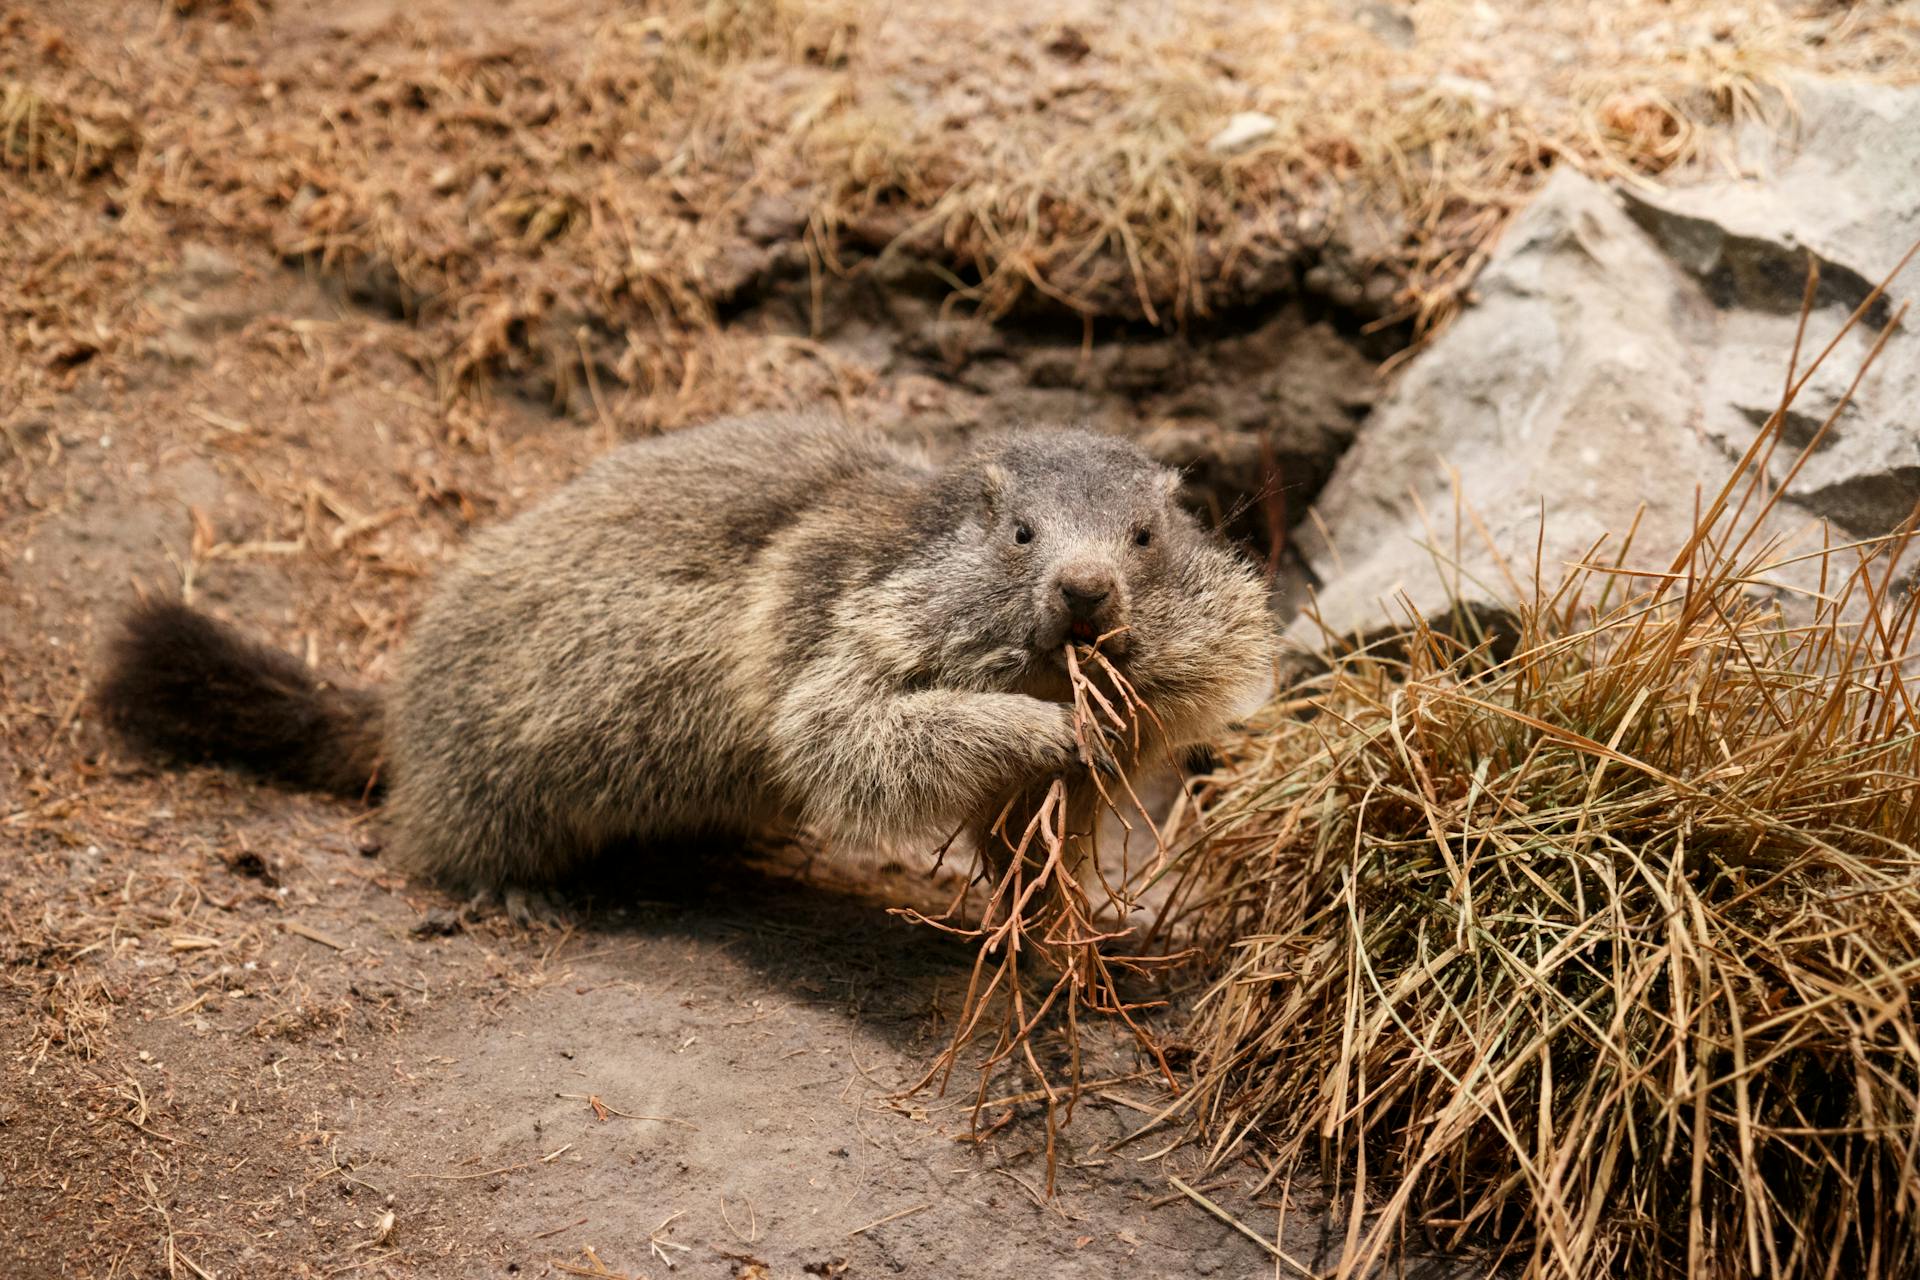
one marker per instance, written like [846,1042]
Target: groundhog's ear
[1171,482]
[994,482]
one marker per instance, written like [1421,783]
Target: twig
[465,1177]
[1275,1250]
[892,1217]
[604,1109]
[314,935]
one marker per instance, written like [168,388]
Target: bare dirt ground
[232,1043]
[296,295]
[233,1046]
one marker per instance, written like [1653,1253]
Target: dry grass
[574,198]
[554,206]
[39,134]
[1595,944]
[1042,959]
[1074,169]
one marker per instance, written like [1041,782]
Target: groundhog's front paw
[1104,745]
[1058,749]
[1051,744]
[522,906]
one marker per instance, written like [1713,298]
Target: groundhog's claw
[527,907]
[523,907]
[1103,747]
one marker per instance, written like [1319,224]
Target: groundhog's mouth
[1110,642]
[1050,644]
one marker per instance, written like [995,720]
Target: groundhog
[768,622]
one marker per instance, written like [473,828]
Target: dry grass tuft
[1080,170]
[583,200]
[1099,222]
[1599,944]
[44,134]
[1042,958]
[724,31]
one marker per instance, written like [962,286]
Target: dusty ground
[295,295]
[232,1045]
[232,1042]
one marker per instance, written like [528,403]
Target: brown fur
[762,622]
[180,684]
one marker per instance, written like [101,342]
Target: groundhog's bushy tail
[180,684]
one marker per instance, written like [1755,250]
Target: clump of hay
[579,206]
[1042,958]
[1089,168]
[42,133]
[1596,944]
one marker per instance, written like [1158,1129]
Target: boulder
[1622,352]
[1844,189]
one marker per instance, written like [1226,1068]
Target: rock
[1477,95]
[1068,44]
[1845,190]
[1351,268]
[1570,383]
[1241,131]
[1624,350]
[204,266]
[773,218]
[1844,184]
[1390,23]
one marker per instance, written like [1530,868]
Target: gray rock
[1624,350]
[205,266]
[1392,23]
[1844,189]
[1570,383]
[1842,180]
[1243,130]
[774,218]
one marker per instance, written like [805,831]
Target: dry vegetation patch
[1595,941]
[575,193]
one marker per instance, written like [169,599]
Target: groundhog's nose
[1085,594]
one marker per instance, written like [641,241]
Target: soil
[702,1084]
[233,1044]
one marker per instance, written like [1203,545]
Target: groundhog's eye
[1142,537]
[1022,534]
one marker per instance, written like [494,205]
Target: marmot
[767,620]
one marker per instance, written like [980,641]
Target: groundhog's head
[1081,538]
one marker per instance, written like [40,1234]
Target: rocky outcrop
[1623,350]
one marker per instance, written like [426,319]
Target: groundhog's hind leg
[503,856]
[522,905]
